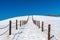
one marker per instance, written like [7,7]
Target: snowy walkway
[32,32]
[28,31]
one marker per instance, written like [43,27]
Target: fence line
[22,22]
[36,22]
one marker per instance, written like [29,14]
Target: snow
[30,31]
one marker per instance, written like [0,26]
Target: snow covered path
[30,31]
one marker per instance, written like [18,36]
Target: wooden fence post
[25,22]
[20,23]
[38,24]
[10,27]
[27,18]
[42,26]
[49,31]
[16,24]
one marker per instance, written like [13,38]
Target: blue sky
[13,8]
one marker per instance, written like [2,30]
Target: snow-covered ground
[30,31]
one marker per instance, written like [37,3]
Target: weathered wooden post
[25,22]
[10,27]
[38,24]
[42,26]
[16,24]
[27,18]
[34,21]
[49,31]
[20,23]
